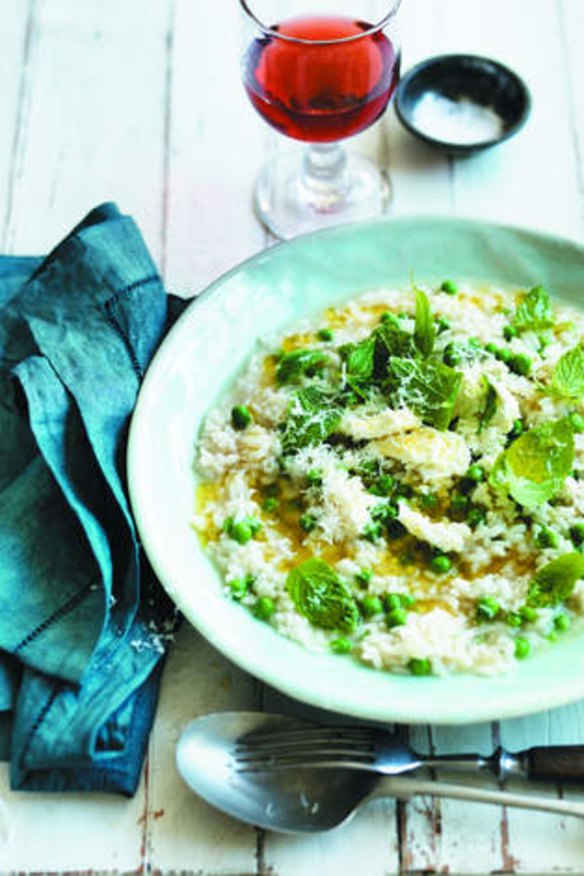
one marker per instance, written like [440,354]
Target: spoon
[304,799]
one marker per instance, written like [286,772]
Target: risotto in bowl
[365,455]
[401,479]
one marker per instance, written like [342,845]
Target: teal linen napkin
[83,624]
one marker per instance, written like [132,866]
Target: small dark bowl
[488,85]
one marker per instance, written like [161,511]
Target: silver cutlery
[361,747]
[215,754]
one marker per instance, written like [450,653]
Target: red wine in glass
[319,92]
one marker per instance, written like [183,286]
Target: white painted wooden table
[140,101]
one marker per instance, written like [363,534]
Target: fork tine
[297,760]
[323,736]
[308,746]
[303,751]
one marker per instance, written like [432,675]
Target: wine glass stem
[325,178]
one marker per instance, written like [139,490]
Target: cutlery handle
[558,763]
[406,788]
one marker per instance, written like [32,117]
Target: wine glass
[319,71]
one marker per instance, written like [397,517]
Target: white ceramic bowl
[200,357]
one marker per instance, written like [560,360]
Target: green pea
[325,334]
[240,417]
[382,486]
[492,349]
[547,538]
[371,605]
[488,608]
[459,503]
[364,576]
[314,477]
[341,645]
[270,504]
[517,429]
[522,648]
[576,421]
[241,532]
[392,601]
[441,564]
[264,608]
[528,613]
[503,354]
[562,622]
[451,356]
[389,317]
[577,534]
[420,666]
[443,324]
[449,286]
[398,600]
[520,363]
[428,500]
[510,332]
[397,617]
[372,531]
[307,522]
[239,587]
[476,473]
[514,619]
[475,517]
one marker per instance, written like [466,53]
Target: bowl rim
[498,707]
[458,57]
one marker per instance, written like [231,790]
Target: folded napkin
[83,623]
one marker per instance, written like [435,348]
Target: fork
[374,749]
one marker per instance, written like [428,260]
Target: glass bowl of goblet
[319,72]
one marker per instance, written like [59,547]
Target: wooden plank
[532,179]
[216,144]
[208,227]
[88,128]
[571,30]
[339,852]
[17,37]
[91,126]
[419,176]
[65,832]
[538,842]
[183,832]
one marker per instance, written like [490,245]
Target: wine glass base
[288,203]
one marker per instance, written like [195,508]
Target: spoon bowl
[303,800]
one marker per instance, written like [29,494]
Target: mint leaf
[568,376]
[490,407]
[391,340]
[533,468]
[534,311]
[424,329]
[360,360]
[428,388]
[313,415]
[320,596]
[554,582]
[298,363]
